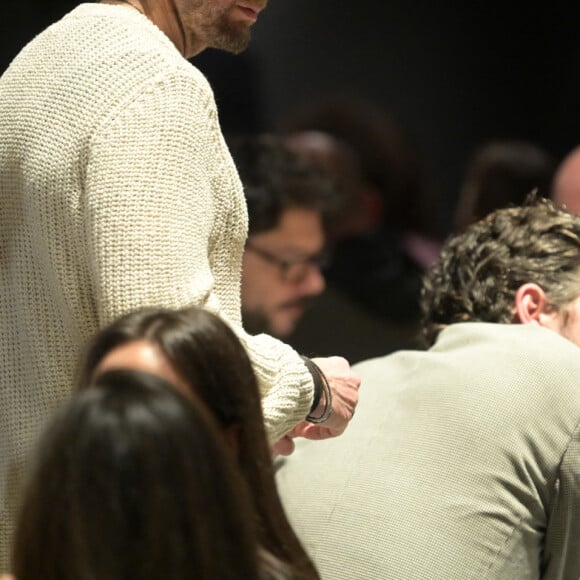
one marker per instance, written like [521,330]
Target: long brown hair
[133,480]
[205,351]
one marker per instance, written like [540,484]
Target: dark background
[453,74]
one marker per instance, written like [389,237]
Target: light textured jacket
[462,462]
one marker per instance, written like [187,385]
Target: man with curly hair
[464,459]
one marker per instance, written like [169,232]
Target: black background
[453,74]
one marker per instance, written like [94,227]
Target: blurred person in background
[289,203]
[385,247]
[370,304]
[566,188]
[500,174]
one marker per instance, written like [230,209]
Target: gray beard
[224,36]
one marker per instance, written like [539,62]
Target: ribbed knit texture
[117,191]
[461,463]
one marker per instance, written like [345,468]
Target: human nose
[314,282]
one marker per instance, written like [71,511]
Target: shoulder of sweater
[105,33]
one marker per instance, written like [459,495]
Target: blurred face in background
[281,272]
[566,187]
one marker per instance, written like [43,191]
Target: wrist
[321,408]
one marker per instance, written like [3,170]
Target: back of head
[203,350]
[275,179]
[340,162]
[389,161]
[199,346]
[501,174]
[481,269]
[134,481]
[207,354]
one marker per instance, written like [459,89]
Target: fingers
[310,431]
[284,446]
[332,364]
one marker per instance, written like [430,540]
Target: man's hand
[284,446]
[344,385]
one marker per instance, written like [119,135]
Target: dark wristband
[317,379]
[321,389]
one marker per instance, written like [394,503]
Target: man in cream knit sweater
[117,191]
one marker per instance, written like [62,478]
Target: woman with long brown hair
[201,355]
[134,481]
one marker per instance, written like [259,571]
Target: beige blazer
[462,462]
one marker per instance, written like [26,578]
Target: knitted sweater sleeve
[150,218]
[285,383]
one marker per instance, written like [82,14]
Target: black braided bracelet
[318,384]
[321,389]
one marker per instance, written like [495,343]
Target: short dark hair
[480,270]
[134,480]
[275,178]
[205,351]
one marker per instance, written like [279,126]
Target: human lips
[251,12]
[296,307]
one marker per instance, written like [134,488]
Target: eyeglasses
[291,271]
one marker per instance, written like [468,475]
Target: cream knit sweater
[116,191]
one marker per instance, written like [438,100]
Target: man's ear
[532,306]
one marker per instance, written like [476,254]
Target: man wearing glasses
[288,203]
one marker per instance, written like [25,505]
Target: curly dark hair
[479,271]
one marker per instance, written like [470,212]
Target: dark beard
[255,322]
